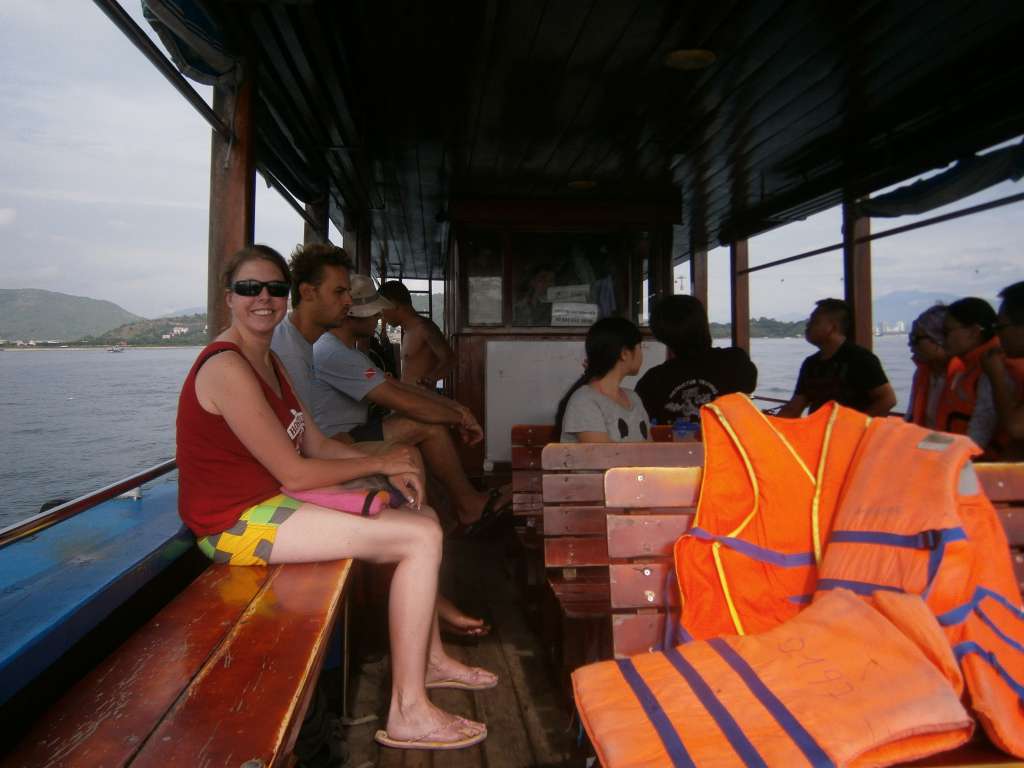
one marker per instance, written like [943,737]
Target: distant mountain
[164,331]
[184,312]
[29,313]
[420,304]
[906,305]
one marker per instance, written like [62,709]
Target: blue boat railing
[44,520]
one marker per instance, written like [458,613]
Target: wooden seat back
[574,495]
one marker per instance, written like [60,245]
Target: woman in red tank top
[242,436]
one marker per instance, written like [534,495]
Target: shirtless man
[426,356]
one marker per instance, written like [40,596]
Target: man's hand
[400,460]
[469,429]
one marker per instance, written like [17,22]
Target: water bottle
[683,430]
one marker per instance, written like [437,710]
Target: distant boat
[115,349]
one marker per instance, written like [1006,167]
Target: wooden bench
[528,440]
[222,675]
[575,544]
[527,445]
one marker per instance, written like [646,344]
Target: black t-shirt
[679,387]
[846,377]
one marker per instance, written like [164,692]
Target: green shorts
[250,540]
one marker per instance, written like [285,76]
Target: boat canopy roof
[399,110]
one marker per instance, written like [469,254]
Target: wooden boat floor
[528,722]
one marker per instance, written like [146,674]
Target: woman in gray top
[596,409]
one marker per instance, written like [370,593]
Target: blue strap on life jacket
[659,719]
[673,633]
[753,551]
[934,540]
[806,743]
[970,647]
[858,587]
[959,614]
[728,725]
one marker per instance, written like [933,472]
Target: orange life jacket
[926,528]
[816,690]
[961,391]
[768,493]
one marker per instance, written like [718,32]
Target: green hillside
[763,328]
[144,332]
[28,313]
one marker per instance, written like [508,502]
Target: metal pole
[896,230]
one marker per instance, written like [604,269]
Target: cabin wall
[516,356]
[526,378]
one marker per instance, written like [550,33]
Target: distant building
[888,329]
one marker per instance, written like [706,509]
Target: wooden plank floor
[528,724]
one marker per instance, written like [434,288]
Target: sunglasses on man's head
[276,288]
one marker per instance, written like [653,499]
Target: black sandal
[490,516]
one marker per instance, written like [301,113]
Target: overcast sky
[105,188]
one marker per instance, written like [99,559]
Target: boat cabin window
[564,279]
[481,253]
[522,278]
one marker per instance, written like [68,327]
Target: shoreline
[68,348]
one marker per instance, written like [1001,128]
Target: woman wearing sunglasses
[242,436]
[932,361]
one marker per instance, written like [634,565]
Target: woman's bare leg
[413,541]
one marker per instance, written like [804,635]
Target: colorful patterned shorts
[251,539]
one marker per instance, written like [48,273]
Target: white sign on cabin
[526,379]
[579,293]
[485,300]
[573,313]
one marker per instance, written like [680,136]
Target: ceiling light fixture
[687,59]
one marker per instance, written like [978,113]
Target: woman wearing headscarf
[932,361]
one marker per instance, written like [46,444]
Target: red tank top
[218,479]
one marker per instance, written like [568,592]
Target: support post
[317,211]
[364,244]
[661,266]
[740,289]
[699,275]
[857,274]
[232,194]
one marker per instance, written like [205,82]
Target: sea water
[73,421]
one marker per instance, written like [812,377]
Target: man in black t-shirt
[840,370]
[698,372]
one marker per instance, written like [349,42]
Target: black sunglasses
[276,288]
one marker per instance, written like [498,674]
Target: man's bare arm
[881,400]
[443,355]
[794,408]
